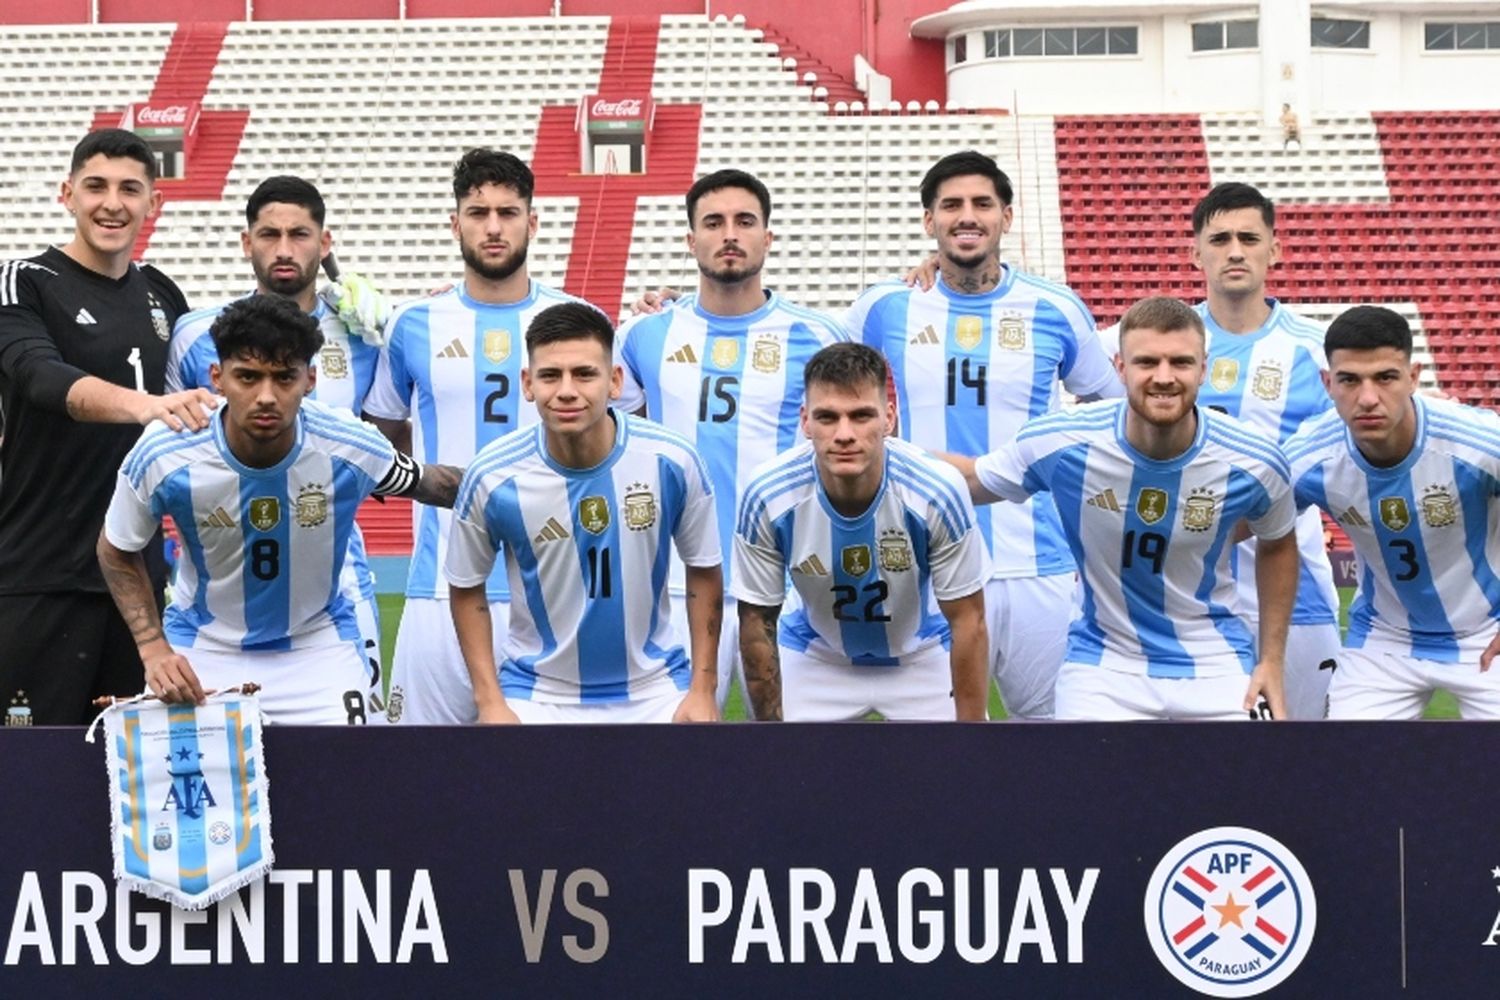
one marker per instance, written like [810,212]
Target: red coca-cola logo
[172,114]
[629,107]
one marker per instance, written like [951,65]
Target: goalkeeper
[286,244]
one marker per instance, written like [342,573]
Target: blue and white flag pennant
[189,815]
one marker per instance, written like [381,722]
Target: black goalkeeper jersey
[60,321]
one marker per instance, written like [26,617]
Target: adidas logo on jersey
[218,519]
[812,566]
[927,336]
[551,532]
[684,355]
[85,318]
[1353,518]
[1105,501]
[456,349]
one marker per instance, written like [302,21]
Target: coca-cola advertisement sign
[625,107]
[161,117]
[172,114]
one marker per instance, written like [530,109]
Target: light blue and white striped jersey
[1426,531]
[868,586]
[262,549]
[345,364]
[586,553]
[971,369]
[453,365]
[732,384]
[1269,379]
[1153,538]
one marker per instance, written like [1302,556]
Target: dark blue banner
[1303,860]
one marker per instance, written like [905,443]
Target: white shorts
[1308,649]
[429,680]
[1378,685]
[816,691]
[729,642]
[1028,619]
[1091,693]
[322,686]
[653,709]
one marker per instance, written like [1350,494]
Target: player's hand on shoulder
[190,409]
[924,275]
[497,714]
[697,706]
[171,677]
[650,303]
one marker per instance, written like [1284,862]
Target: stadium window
[1340,33]
[1462,36]
[1002,43]
[1211,36]
[960,49]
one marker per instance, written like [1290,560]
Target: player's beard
[495,272]
[725,276]
[289,288]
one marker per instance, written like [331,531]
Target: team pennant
[189,815]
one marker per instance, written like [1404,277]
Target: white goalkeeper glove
[360,305]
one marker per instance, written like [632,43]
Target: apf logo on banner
[1230,912]
[190,822]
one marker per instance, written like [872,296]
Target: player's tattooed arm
[168,673]
[761,659]
[397,432]
[434,485]
[705,613]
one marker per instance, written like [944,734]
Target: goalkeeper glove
[360,305]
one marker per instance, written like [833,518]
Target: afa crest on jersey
[1012,333]
[1394,513]
[855,559]
[968,331]
[1198,509]
[766,356]
[496,345]
[1151,504]
[265,513]
[1268,381]
[333,362]
[311,508]
[725,352]
[640,507]
[1439,507]
[895,551]
[593,514]
[1224,374]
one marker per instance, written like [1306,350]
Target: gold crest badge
[311,508]
[1012,333]
[496,345]
[855,559]
[1439,507]
[1151,505]
[725,353]
[593,514]
[640,507]
[895,551]
[333,363]
[968,332]
[1268,381]
[1394,513]
[1224,374]
[1198,509]
[265,513]
[766,357]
